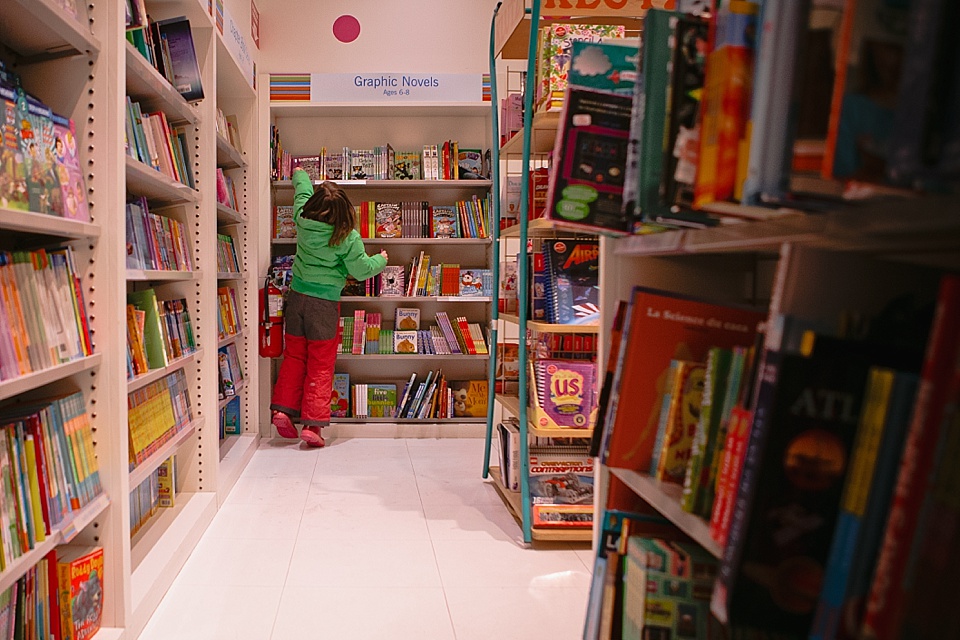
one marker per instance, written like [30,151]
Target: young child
[328,248]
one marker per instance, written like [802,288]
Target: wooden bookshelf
[146,86]
[42,224]
[143,470]
[227,216]
[228,157]
[153,375]
[40,30]
[16,386]
[154,185]
[513,502]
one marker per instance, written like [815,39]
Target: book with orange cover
[660,327]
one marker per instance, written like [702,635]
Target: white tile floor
[372,538]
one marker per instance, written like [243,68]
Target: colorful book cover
[560,475]
[36,137]
[471,282]
[333,166]
[406,319]
[167,476]
[340,397]
[586,186]
[566,394]
[284,225]
[405,341]
[67,162]
[13,195]
[469,398]
[381,400]
[608,65]
[407,165]
[554,62]
[572,268]
[683,414]
[231,417]
[310,164]
[470,164]
[80,573]
[388,220]
[444,221]
[392,281]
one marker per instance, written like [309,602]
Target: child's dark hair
[330,204]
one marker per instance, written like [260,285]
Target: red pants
[305,382]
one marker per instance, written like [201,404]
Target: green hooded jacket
[320,270]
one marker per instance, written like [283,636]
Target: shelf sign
[236,44]
[396,87]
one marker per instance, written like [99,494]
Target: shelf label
[396,87]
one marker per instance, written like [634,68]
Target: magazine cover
[561,475]
[572,268]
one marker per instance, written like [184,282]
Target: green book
[153,333]
[711,409]
[714,450]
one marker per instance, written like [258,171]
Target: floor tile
[453,489]
[471,522]
[238,563]
[291,493]
[201,613]
[361,563]
[482,613]
[292,461]
[325,522]
[495,563]
[256,521]
[370,613]
[387,492]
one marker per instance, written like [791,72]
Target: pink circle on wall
[346,28]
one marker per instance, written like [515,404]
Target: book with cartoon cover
[388,220]
[404,341]
[406,165]
[67,164]
[406,319]
[392,281]
[444,221]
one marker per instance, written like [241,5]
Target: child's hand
[384,254]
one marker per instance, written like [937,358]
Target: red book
[465,332]
[884,610]
[728,480]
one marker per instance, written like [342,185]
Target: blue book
[178,41]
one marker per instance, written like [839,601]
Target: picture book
[572,270]
[406,319]
[80,576]
[310,164]
[231,418]
[508,361]
[585,187]
[381,400]
[404,341]
[471,282]
[388,220]
[36,137]
[470,164]
[340,398]
[333,166]
[565,393]
[13,177]
[660,327]
[67,162]
[392,281]
[560,475]
[469,398]
[509,435]
[680,422]
[407,165]
[178,43]
[554,61]
[608,65]
[283,225]
[444,221]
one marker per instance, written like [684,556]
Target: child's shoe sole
[284,425]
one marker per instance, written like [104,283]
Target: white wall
[416,36]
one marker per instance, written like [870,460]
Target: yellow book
[36,504]
[682,418]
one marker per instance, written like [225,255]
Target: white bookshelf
[85,69]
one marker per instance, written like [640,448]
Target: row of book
[426,397]
[363,333]
[43,320]
[48,471]
[445,161]
[228,316]
[41,170]
[59,598]
[421,279]
[168,46]
[230,418]
[158,332]
[227,259]
[151,139]
[153,494]
[230,370]
[156,241]
[156,413]
[226,191]
[228,128]
[853,437]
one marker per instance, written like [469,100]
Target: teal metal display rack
[523,275]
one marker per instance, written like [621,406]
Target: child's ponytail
[330,204]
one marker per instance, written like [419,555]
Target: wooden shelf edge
[155,374]
[144,180]
[49,225]
[36,379]
[226,215]
[665,498]
[150,86]
[143,470]
[233,157]
[158,275]
[49,26]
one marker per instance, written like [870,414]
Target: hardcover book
[392,281]
[407,165]
[178,42]
[80,575]
[470,164]
[471,282]
[405,341]
[406,319]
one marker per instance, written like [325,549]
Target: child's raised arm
[302,190]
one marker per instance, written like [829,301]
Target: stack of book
[155,241]
[156,413]
[231,373]
[158,331]
[228,318]
[150,139]
[227,259]
[153,494]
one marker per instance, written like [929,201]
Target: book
[388,220]
[167,481]
[471,282]
[230,419]
[469,398]
[178,42]
[470,164]
[658,328]
[585,187]
[443,222]
[563,393]
[407,165]
[508,434]
[80,577]
[572,269]
[67,161]
[392,281]
[554,60]
[406,319]
[405,341]
[560,476]
[680,422]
